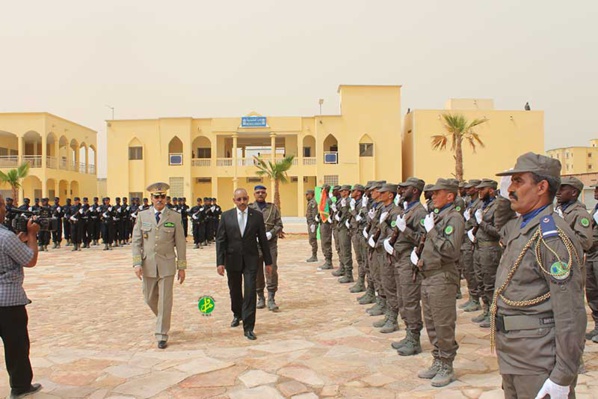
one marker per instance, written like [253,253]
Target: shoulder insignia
[560,271]
[585,222]
[393,223]
[458,208]
[548,227]
[448,230]
[422,222]
[436,210]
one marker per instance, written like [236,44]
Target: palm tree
[458,128]
[13,178]
[275,171]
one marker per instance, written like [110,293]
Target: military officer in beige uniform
[438,265]
[157,233]
[311,216]
[538,308]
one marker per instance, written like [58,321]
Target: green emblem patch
[168,224]
[560,271]
[585,222]
[422,222]
[458,208]
[436,210]
[448,230]
[206,305]
[393,223]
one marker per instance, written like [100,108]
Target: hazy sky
[201,58]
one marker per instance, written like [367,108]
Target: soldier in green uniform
[343,227]
[358,206]
[538,308]
[273,223]
[592,273]
[326,232]
[489,219]
[438,265]
[311,215]
[428,204]
[474,286]
[335,199]
[573,211]
[372,195]
[371,266]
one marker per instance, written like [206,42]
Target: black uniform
[198,217]
[58,214]
[66,222]
[107,216]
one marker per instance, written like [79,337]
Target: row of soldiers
[83,224]
[411,255]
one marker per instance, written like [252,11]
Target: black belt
[523,322]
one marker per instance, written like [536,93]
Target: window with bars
[331,180]
[135,153]
[177,186]
[134,194]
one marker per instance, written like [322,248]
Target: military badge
[436,210]
[168,224]
[448,230]
[458,208]
[393,223]
[422,222]
[585,222]
[560,271]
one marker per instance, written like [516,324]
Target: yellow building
[577,160]
[211,156]
[62,155]
[506,135]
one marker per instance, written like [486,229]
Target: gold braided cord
[537,240]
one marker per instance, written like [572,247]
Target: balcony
[201,162]
[73,165]
[34,161]
[7,161]
[82,168]
[51,162]
[224,162]
[309,161]
[92,169]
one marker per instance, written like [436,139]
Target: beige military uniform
[154,250]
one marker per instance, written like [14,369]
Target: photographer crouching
[16,252]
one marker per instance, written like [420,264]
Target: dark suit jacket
[232,249]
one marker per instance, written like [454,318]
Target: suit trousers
[271,281]
[158,293]
[326,237]
[439,300]
[13,329]
[241,285]
[527,386]
[592,285]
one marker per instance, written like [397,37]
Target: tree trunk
[15,196]
[459,159]
[277,194]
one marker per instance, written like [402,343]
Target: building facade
[212,156]
[506,135]
[62,155]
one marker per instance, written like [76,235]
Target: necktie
[158,217]
[242,222]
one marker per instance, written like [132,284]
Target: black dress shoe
[162,344]
[236,321]
[250,335]
[32,389]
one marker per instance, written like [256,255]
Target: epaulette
[548,227]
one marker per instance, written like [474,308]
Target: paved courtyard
[92,337]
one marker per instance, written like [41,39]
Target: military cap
[310,192]
[56,198]
[117,198]
[472,183]
[145,199]
[26,200]
[85,199]
[388,187]
[358,187]
[345,187]
[336,187]
[45,199]
[461,184]
[413,182]
[368,185]
[378,184]
[451,185]
[8,199]
[76,199]
[214,199]
[572,181]
[95,198]
[488,183]
[535,163]
[37,200]
[206,198]
[259,187]
[158,188]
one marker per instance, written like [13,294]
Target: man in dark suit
[236,251]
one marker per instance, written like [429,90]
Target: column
[57,192]
[56,157]
[43,164]
[272,159]
[21,150]
[235,162]
[300,197]
[44,186]
[215,190]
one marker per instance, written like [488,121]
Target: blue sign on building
[253,121]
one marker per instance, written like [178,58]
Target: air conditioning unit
[175,159]
[331,157]
[254,180]
[203,180]
[294,179]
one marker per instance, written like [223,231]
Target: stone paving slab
[92,337]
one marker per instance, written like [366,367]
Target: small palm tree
[13,177]
[276,171]
[458,128]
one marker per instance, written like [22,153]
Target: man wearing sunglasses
[158,231]
[239,232]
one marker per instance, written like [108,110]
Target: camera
[16,220]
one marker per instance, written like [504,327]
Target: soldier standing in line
[312,225]
[342,217]
[145,205]
[573,211]
[66,221]
[58,214]
[217,213]
[197,223]
[117,222]
[408,235]
[326,231]
[428,204]
[75,221]
[592,273]
[36,206]
[358,211]
[85,222]
[273,224]
[538,308]
[95,221]
[44,236]
[126,222]
[336,196]
[107,214]
[489,219]
[474,286]
[372,210]
[207,201]
[438,265]
[184,211]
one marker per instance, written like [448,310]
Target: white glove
[397,200]
[414,258]
[560,212]
[105,215]
[73,218]
[504,184]
[343,202]
[179,210]
[127,209]
[337,218]
[478,216]
[371,242]
[30,209]
[389,249]
[467,214]
[365,233]
[352,204]
[364,201]
[134,216]
[595,217]
[470,235]
[333,207]
[405,204]
[554,390]
[194,217]
[347,224]
[358,218]
[371,213]
[110,209]
[425,204]
[118,210]
[383,217]
[429,223]
[81,211]
[268,235]
[329,220]
[58,209]
[401,223]
[213,208]
[317,217]
[312,228]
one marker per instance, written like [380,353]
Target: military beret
[213,199]
[26,200]
[488,183]
[117,198]
[8,199]
[472,183]
[388,187]
[358,187]
[572,181]
[198,199]
[535,163]
[158,188]
[450,185]
[345,187]
[413,182]
[310,192]
[259,187]
[145,199]
[206,198]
